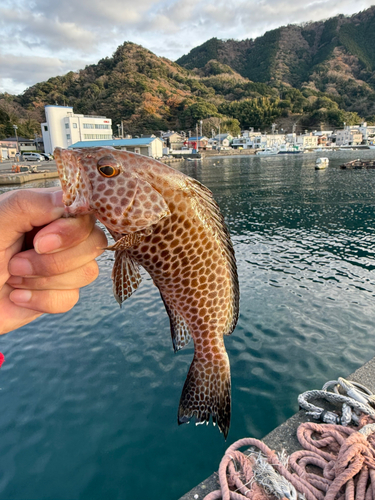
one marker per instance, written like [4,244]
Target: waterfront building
[221,140]
[199,142]
[147,146]
[307,140]
[9,146]
[173,140]
[64,128]
[349,136]
[368,133]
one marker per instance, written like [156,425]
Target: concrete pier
[284,436]
[22,177]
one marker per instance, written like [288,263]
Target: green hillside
[319,74]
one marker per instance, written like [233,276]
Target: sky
[40,39]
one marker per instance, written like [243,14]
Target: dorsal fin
[125,276]
[180,332]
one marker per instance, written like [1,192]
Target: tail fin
[207,392]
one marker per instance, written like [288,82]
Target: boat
[321,163]
[290,149]
[267,152]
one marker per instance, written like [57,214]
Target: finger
[45,301]
[24,209]
[78,278]
[31,264]
[12,316]
[63,233]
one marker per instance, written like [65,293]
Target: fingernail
[20,267]
[20,296]
[48,243]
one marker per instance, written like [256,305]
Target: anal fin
[179,329]
[125,276]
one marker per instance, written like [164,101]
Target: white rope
[357,399]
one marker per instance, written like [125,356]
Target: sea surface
[88,399]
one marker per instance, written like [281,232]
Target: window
[66,125]
[88,125]
[45,128]
[68,137]
[97,136]
[74,125]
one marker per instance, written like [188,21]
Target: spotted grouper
[169,224]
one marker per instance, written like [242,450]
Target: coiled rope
[344,456]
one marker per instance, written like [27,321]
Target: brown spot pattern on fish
[169,224]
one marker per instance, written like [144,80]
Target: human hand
[44,259]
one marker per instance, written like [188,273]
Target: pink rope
[345,457]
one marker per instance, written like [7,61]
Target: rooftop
[116,143]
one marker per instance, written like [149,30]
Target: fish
[169,224]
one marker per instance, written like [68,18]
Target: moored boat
[321,163]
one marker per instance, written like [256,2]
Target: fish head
[107,182]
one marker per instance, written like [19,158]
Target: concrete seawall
[284,436]
[21,178]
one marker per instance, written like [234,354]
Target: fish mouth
[72,178]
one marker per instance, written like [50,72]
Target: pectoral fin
[125,276]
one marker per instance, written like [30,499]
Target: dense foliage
[317,75]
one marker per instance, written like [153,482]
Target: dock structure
[358,164]
[284,437]
[22,177]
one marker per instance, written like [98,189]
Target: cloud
[58,35]
[24,71]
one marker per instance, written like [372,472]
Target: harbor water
[89,398]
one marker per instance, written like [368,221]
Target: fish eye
[108,170]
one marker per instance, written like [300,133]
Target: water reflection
[89,398]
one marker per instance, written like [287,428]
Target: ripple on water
[89,398]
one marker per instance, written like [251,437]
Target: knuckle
[99,238]
[90,272]
[63,301]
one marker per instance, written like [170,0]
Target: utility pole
[15,130]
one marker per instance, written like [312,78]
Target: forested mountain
[336,57]
[318,74]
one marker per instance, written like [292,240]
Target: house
[147,146]
[199,142]
[8,148]
[64,128]
[11,145]
[248,140]
[368,133]
[307,140]
[349,136]
[173,140]
[221,140]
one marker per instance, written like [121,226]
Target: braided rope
[347,463]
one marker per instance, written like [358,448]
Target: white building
[368,133]
[64,128]
[308,140]
[349,136]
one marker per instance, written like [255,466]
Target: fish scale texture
[170,225]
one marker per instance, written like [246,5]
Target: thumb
[24,209]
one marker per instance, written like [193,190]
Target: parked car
[33,157]
[46,156]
